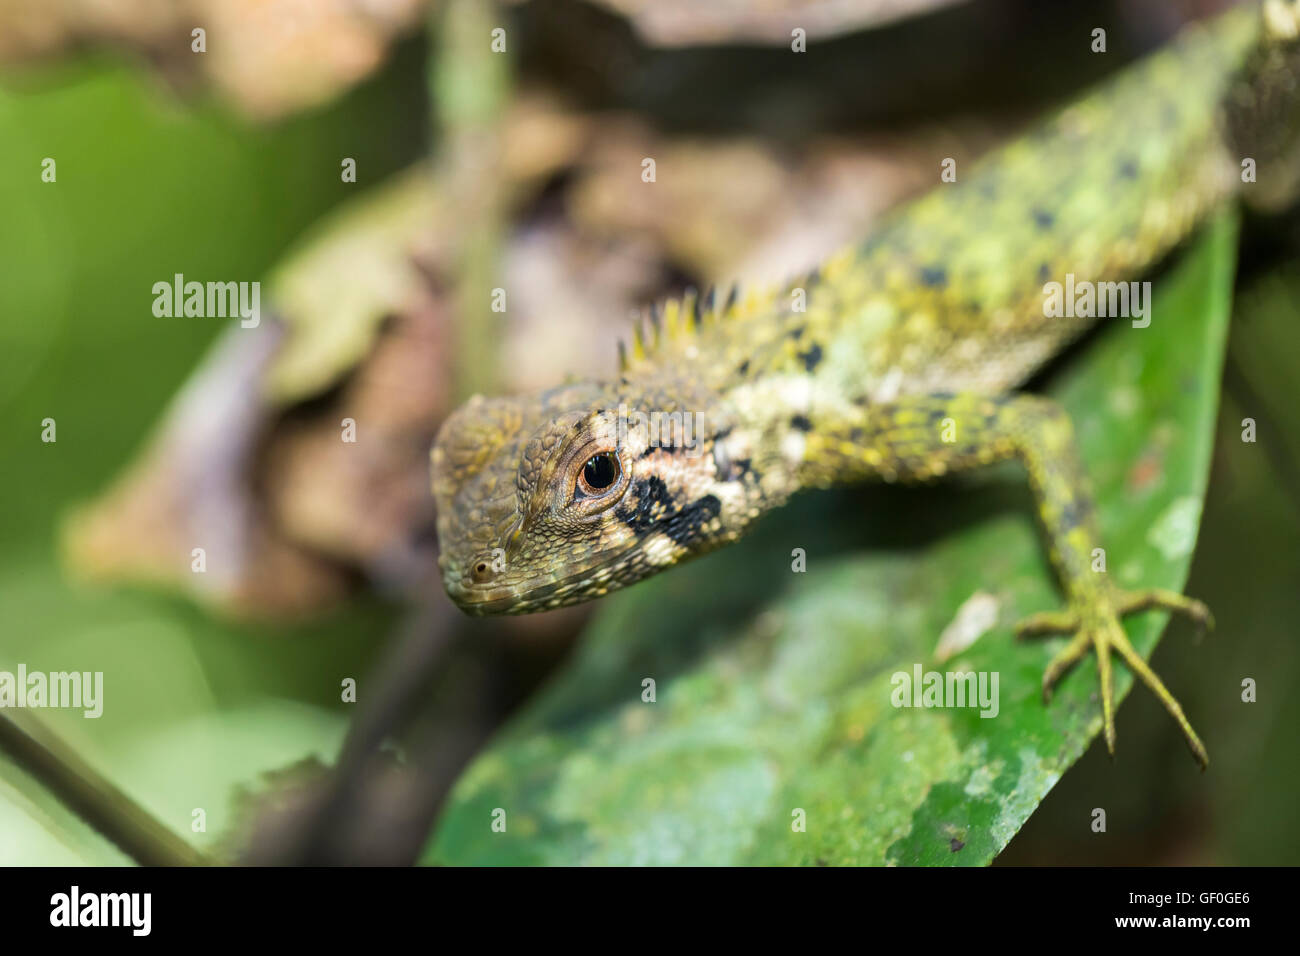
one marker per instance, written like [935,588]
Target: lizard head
[560,496]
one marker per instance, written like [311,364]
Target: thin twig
[91,796]
[469,87]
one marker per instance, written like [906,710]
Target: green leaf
[774,688]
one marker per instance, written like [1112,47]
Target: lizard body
[895,361]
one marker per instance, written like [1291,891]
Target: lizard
[722,408]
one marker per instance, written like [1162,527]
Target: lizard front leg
[924,437]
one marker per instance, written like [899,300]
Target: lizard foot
[1097,627]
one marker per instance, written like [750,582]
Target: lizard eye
[599,474]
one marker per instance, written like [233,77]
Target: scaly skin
[895,361]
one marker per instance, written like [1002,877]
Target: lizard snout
[482,570]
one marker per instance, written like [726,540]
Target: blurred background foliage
[226,165]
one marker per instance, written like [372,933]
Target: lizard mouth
[477,603]
[483,600]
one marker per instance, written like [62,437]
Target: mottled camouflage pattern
[893,361]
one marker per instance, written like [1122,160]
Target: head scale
[558,497]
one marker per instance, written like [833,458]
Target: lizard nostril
[482,573]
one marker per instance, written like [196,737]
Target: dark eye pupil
[600,471]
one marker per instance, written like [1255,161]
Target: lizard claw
[1047,622]
[1147,599]
[1098,628]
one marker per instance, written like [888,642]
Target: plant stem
[91,796]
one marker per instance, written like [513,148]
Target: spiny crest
[678,319]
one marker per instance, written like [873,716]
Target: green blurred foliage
[149,186]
